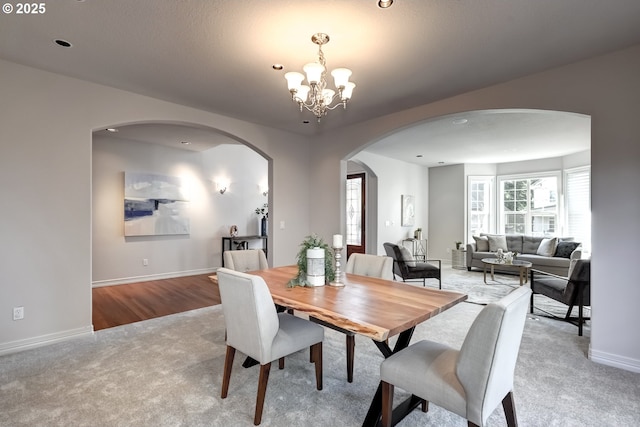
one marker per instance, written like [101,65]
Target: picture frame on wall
[408,214]
[155,205]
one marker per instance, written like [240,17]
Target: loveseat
[552,255]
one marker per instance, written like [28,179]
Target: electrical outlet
[145,262]
[18,313]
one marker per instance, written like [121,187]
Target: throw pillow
[564,249]
[548,247]
[407,257]
[482,243]
[497,242]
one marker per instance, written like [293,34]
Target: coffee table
[522,266]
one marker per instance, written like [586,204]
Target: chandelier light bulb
[303,93]
[347,91]
[314,72]
[341,77]
[294,80]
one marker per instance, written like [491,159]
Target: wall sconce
[221,186]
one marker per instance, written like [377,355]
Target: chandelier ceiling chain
[316,97]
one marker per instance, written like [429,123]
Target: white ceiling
[217,55]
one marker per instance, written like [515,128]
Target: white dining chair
[370,265]
[472,381]
[245,260]
[257,330]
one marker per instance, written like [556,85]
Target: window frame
[529,215]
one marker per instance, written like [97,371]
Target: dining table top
[368,306]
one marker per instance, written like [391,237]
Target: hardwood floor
[123,304]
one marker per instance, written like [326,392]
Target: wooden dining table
[375,308]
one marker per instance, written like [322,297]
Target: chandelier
[316,97]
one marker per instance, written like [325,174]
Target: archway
[475,142]
[199,155]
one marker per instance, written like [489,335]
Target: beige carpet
[167,372]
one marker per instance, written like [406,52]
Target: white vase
[315,266]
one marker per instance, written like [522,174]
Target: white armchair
[472,381]
[257,330]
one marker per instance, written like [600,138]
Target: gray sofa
[552,256]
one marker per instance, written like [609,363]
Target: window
[480,205]
[529,205]
[355,188]
[578,205]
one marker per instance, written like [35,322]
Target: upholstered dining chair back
[487,359]
[257,330]
[370,265]
[245,260]
[249,313]
[470,382]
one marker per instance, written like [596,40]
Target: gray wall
[47,122]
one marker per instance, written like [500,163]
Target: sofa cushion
[548,247]
[514,242]
[407,257]
[565,249]
[497,242]
[530,244]
[482,243]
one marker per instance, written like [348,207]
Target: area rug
[167,372]
[472,284]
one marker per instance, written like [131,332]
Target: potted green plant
[312,242]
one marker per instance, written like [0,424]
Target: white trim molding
[609,359]
[43,340]
[161,276]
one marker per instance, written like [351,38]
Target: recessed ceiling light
[112,130]
[277,67]
[305,121]
[419,155]
[460,121]
[382,4]
[63,43]
[441,163]
[185,143]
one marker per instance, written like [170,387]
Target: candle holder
[337,282]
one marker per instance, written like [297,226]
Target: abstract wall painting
[154,205]
[408,211]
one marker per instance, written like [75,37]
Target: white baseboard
[29,343]
[161,276]
[615,360]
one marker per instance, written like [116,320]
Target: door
[356,190]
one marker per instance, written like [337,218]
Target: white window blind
[578,205]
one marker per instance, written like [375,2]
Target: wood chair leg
[281,363]
[262,391]
[387,403]
[509,406]
[316,349]
[351,349]
[228,364]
